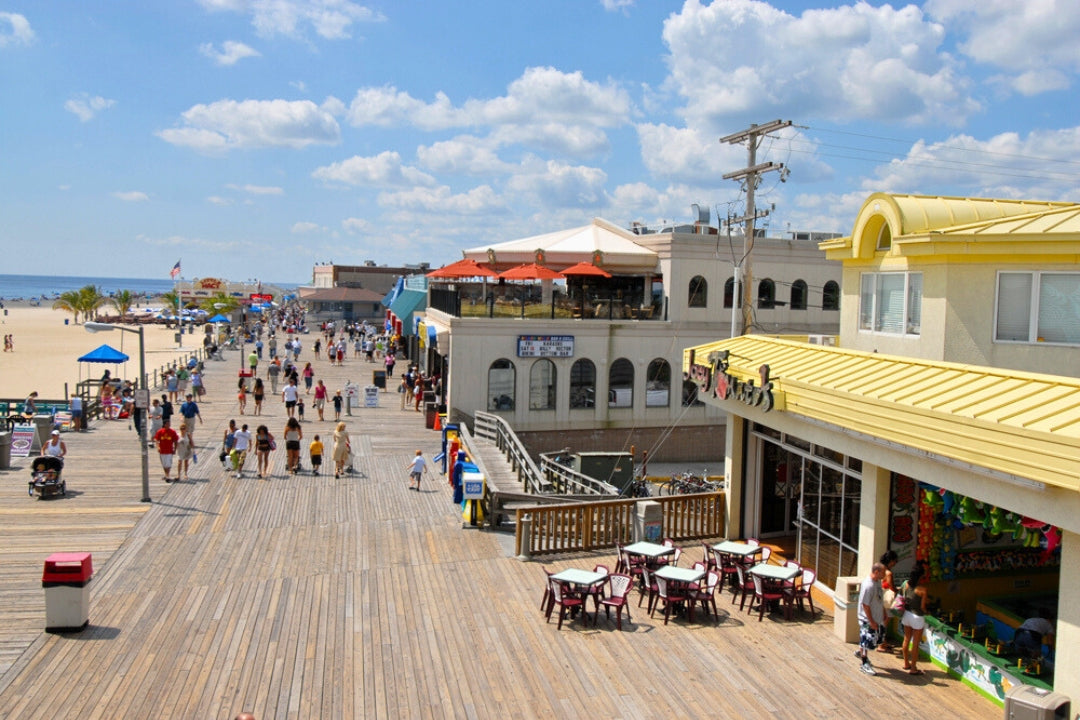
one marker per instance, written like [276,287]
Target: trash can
[430,411]
[648,521]
[66,580]
[5,451]
[1027,702]
[43,427]
[846,611]
[378,379]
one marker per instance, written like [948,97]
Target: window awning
[405,305]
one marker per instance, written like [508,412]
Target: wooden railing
[568,481]
[583,526]
[492,427]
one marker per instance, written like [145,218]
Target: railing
[568,481]
[584,526]
[458,303]
[494,428]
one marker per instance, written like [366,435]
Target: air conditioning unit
[829,340]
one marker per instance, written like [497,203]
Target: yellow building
[934,428]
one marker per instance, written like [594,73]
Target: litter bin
[846,611]
[648,521]
[1027,702]
[378,379]
[43,426]
[430,411]
[66,580]
[5,450]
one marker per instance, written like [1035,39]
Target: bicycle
[636,488]
[688,483]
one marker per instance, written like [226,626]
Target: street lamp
[143,388]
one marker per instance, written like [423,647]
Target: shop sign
[713,380]
[545,346]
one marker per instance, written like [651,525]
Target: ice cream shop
[938,425]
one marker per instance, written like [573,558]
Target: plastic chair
[742,586]
[561,597]
[803,591]
[708,557]
[596,592]
[545,604]
[675,557]
[648,586]
[620,588]
[707,595]
[725,565]
[766,553]
[764,594]
[671,597]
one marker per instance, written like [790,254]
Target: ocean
[47,287]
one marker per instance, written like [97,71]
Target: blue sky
[256,138]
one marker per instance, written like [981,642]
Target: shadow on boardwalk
[310,597]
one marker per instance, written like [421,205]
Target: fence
[492,427]
[584,526]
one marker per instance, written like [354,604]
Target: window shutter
[1014,306]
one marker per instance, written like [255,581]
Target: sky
[254,139]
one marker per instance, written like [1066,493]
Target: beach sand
[46,351]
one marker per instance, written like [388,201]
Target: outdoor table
[738,549]
[585,580]
[650,551]
[779,573]
[680,575]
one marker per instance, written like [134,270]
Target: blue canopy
[104,354]
[219,318]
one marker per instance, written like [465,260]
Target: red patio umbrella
[463,269]
[532,271]
[586,269]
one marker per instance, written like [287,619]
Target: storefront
[975,471]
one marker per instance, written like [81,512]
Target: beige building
[376,278]
[935,429]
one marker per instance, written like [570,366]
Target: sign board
[371,396]
[545,346]
[352,391]
[22,440]
[472,486]
[260,297]
[142,399]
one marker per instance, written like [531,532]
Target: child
[316,451]
[300,408]
[337,405]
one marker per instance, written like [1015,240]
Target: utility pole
[750,175]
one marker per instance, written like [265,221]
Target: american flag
[175,270]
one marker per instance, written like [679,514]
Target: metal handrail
[496,429]
[569,481]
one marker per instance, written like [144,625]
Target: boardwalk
[310,597]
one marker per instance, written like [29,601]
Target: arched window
[583,384]
[621,384]
[501,383]
[798,295]
[830,296]
[698,295]
[729,292]
[766,294]
[542,385]
[658,383]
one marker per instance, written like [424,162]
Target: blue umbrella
[104,354]
[219,318]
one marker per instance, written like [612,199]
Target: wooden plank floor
[310,597]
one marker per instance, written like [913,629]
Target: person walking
[166,439]
[264,443]
[404,391]
[258,392]
[309,377]
[197,385]
[227,442]
[293,435]
[253,361]
[289,395]
[241,445]
[166,408]
[342,449]
[315,452]
[338,401]
[273,371]
[241,395]
[190,411]
[185,449]
[156,416]
[914,619]
[172,384]
[390,362]
[320,399]
[871,616]
[416,469]
[55,447]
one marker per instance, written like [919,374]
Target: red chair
[561,597]
[725,565]
[766,553]
[709,557]
[545,604]
[648,586]
[596,592]
[742,585]
[620,589]
[803,590]
[767,593]
[707,595]
[673,597]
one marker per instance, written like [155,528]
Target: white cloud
[463,155]
[219,201]
[257,189]
[355,225]
[686,154]
[131,196]
[557,184]
[613,5]
[383,169]
[86,107]
[229,124]
[15,30]
[306,228]
[1034,43]
[330,19]
[477,201]
[388,106]
[231,52]
[741,59]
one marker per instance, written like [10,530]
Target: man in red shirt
[166,439]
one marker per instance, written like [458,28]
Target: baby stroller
[46,477]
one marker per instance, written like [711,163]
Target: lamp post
[108,327]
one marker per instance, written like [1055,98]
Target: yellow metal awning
[1022,424]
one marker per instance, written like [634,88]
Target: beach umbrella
[219,318]
[531,271]
[585,269]
[104,354]
[462,269]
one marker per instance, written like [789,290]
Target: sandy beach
[46,351]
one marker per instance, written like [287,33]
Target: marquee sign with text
[545,346]
[713,380]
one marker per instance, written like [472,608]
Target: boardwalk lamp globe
[142,396]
